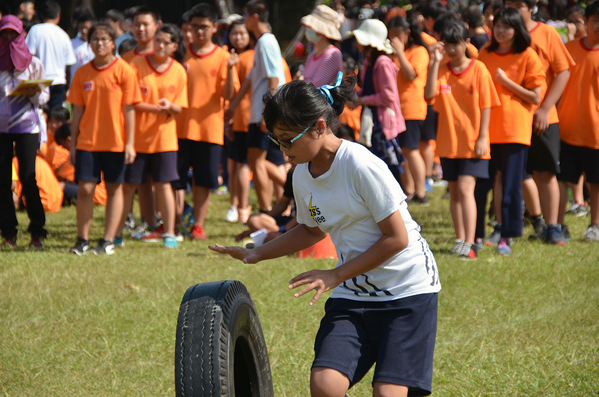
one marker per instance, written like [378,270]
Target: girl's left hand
[480,147]
[319,280]
[31,91]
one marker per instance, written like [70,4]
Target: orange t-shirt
[241,119]
[103,93]
[203,120]
[428,39]
[411,93]
[512,121]
[460,99]
[132,54]
[288,76]
[579,106]
[59,162]
[50,190]
[554,57]
[352,118]
[154,132]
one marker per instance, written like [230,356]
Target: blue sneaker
[119,241]
[428,185]
[169,241]
[554,235]
[503,247]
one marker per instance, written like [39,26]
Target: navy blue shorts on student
[398,335]
[162,167]
[275,154]
[256,138]
[411,137]
[240,147]
[204,158]
[575,160]
[90,165]
[543,153]
[429,129]
[453,168]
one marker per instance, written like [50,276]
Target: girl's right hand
[72,156]
[397,45]
[233,59]
[500,76]
[436,52]
[243,254]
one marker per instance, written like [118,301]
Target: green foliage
[96,326]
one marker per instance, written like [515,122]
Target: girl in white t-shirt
[383,308]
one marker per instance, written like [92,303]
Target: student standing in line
[518,77]
[163,85]
[103,93]
[464,95]
[200,127]
[383,308]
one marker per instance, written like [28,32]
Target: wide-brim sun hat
[323,20]
[373,33]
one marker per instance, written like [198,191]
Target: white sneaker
[592,233]
[232,215]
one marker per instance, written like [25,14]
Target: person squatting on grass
[383,308]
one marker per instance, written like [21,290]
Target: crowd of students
[486,93]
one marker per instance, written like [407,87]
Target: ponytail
[299,103]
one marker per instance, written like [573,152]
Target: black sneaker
[80,247]
[423,201]
[104,247]
[538,223]
[566,233]
[36,243]
[493,239]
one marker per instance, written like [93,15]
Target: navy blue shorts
[575,160]
[429,130]
[204,158]
[162,166]
[90,165]
[411,137]
[453,168]
[239,147]
[543,153]
[399,336]
[256,138]
[275,154]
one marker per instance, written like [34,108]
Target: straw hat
[373,33]
[323,20]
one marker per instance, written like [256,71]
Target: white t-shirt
[52,46]
[348,201]
[268,63]
[83,54]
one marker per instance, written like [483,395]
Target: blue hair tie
[324,90]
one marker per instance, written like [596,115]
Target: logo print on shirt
[315,213]
[144,90]
[88,85]
[445,89]
[172,89]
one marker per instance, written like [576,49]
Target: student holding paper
[19,126]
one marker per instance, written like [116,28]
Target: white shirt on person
[348,202]
[53,47]
[268,63]
[83,54]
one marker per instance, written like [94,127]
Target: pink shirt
[322,70]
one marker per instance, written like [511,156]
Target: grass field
[524,325]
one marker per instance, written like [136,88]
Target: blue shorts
[399,336]
[239,147]
[90,165]
[411,137]
[453,168]
[204,158]
[575,160]
[162,166]
[429,129]
[543,152]
[256,138]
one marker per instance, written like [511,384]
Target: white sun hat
[373,33]
[323,20]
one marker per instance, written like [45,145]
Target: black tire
[220,349]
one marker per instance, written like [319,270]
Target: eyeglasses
[287,143]
[199,27]
[103,41]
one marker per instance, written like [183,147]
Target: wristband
[282,229]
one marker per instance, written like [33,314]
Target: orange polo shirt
[411,93]
[132,54]
[460,99]
[554,57]
[155,133]
[203,120]
[241,119]
[428,39]
[579,106]
[103,93]
[50,190]
[512,121]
